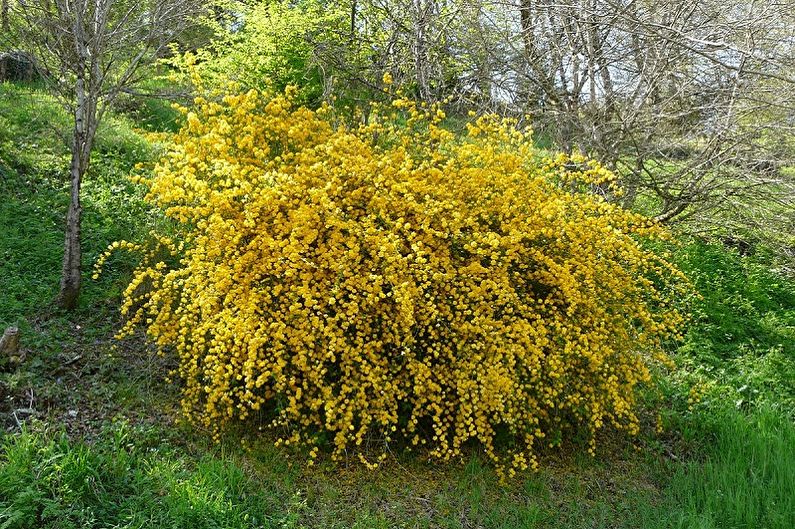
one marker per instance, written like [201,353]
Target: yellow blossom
[410,284]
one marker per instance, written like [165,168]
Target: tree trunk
[81,150]
[354,8]
[420,44]
[70,273]
[4,16]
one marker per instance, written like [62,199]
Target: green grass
[741,341]
[740,476]
[34,162]
[152,109]
[746,478]
[121,483]
[102,444]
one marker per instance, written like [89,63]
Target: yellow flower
[415,285]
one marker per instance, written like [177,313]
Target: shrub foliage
[394,281]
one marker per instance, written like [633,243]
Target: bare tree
[687,100]
[90,51]
[414,40]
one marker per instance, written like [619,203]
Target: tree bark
[9,342]
[421,21]
[4,16]
[354,8]
[81,148]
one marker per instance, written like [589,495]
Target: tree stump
[17,65]
[10,353]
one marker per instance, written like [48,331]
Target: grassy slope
[101,444]
[34,180]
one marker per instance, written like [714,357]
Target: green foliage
[732,397]
[742,474]
[741,343]
[743,303]
[151,107]
[265,45]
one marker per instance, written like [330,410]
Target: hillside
[93,435]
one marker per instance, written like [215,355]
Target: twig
[73,360]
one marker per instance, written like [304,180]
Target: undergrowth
[723,460]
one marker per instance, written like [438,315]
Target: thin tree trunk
[81,149]
[421,21]
[6,29]
[71,271]
[4,16]
[354,8]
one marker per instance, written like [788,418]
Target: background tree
[265,44]
[90,51]
[689,102]
[666,93]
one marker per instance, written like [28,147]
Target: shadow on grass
[135,476]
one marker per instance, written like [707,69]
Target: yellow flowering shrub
[396,282]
